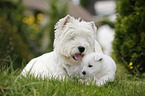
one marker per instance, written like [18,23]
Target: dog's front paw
[99,83]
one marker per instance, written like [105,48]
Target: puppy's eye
[100,59]
[72,38]
[90,65]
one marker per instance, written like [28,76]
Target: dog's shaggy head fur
[74,39]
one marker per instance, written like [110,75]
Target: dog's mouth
[78,57]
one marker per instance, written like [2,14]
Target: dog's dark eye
[100,59]
[90,65]
[72,38]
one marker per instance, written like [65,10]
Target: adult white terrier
[98,68]
[73,40]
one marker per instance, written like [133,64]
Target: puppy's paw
[102,81]
[99,83]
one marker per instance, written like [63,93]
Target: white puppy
[73,40]
[98,68]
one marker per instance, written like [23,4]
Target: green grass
[123,85]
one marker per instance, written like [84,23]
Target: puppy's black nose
[81,49]
[84,73]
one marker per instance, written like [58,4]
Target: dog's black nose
[81,49]
[84,73]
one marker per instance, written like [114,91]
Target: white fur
[98,68]
[70,33]
[105,36]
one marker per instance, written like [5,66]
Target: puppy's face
[92,65]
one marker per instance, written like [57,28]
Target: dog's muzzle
[81,49]
[84,72]
[79,56]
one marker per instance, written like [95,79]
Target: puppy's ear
[62,22]
[98,48]
[98,58]
[93,26]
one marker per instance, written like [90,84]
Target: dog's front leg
[105,78]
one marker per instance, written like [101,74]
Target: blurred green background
[27,31]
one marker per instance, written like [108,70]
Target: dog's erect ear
[98,58]
[93,26]
[66,19]
[98,48]
[62,22]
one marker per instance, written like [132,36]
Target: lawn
[123,85]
